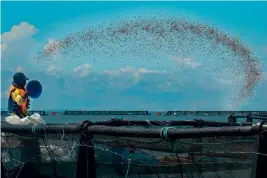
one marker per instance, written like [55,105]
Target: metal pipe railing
[133,132]
[252,116]
[40,129]
[86,162]
[195,123]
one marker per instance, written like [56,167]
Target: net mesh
[56,155]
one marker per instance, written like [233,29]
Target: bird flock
[140,38]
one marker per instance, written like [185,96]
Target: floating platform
[133,151]
[42,113]
[213,113]
[106,113]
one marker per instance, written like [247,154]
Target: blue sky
[143,72]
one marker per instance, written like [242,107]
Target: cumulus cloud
[19,69]
[136,74]
[130,69]
[50,48]
[17,47]
[17,32]
[118,72]
[185,62]
[54,70]
[14,69]
[83,70]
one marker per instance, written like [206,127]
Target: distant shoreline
[134,112]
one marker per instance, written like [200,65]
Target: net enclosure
[145,149]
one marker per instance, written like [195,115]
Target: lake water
[59,118]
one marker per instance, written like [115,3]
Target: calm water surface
[59,118]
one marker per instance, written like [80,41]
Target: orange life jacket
[14,107]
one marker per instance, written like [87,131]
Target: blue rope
[164,132]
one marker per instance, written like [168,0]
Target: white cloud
[19,69]
[130,70]
[120,71]
[17,32]
[14,70]
[185,62]
[18,44]
[83,70]
[135,73]
[51,48]
[53,70]
[146,71]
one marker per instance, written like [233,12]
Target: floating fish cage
[106,113]
[143,149]
[214,113]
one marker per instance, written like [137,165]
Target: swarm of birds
[139,37]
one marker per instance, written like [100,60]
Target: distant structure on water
[140,113]
[106,113]
[42,113]
[212,113]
